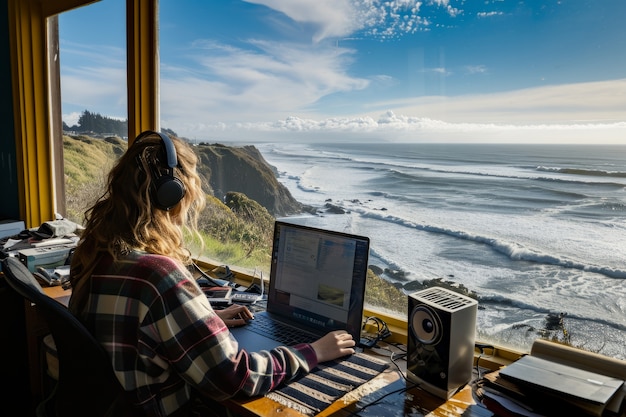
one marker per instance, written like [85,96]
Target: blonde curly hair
[126,217]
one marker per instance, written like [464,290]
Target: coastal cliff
[243,169]
[225,169]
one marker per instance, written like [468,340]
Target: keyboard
[283,333]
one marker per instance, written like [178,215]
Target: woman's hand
[235,315]
[333,345]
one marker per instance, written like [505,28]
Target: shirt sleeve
[198,345]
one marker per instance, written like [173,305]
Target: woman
[132,289]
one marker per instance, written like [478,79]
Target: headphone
[166,189]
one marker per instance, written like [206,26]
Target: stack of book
[556,380]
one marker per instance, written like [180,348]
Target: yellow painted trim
[143,66]
[27,37]
[31,103]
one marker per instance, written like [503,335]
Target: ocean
[535,231]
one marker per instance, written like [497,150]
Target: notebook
[317,284]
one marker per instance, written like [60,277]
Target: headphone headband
[170,149]
[166,189]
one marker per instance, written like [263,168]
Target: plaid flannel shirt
[165,340]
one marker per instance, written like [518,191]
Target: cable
[481,347]
[251,294]
[209,278]
[261,283]
[393,358]
[382,332]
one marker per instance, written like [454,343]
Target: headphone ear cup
[168,191]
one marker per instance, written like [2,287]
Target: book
[588,390]
[504,404]
[557,376]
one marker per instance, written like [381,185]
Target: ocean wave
[531,177]
[399,168]
[306,189]
[376,257]
[586,172]
[493,300]
[514,251]
[300,151]
[399,171]
[298,181]
[501,300]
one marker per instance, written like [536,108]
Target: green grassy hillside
[235,231]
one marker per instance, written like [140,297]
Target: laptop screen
[318,277]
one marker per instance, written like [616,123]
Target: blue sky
[436,70]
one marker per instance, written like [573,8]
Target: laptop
[317,284]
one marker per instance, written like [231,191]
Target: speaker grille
[445,299]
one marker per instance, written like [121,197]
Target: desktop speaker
[441,337]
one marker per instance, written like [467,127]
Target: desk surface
[384,395]
[413,401]
[58,293]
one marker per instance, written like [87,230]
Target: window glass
[370,109]
[93,95]
[478,144]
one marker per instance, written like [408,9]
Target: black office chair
[87,385]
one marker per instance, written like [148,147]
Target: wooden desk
[412,402]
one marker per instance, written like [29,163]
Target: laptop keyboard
[284,334]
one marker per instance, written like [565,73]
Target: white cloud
[596,102]
[71,119]
[332,18]
[398,128]
[439,71]
[488,14]
[271,88]
[452,11]
[97,80]
[587,112]
[476,69]
[98,89]
[243,85]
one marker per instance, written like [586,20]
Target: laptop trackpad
[252,342]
